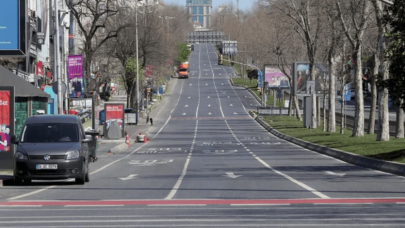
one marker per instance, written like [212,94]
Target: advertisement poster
[114,113]
[303,75]
[75,73]
[275,78]
[82,107]
[5,121]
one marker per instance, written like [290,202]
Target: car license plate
[47,166]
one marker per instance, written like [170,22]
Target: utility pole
[137,64]
[56,58]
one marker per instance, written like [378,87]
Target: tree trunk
[342,111]
[399,133]
[297,108]
[371,122]
[324,111]
[318,111]
[290,105]
[332,95]
[358,128]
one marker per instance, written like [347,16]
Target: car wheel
[82,178]
[87,177]
[17,180]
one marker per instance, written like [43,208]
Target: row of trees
[349,37]
[109,40]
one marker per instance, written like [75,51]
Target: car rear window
[183,69]
[50,132]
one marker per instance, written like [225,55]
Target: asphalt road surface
[209,164]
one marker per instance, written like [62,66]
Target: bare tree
[383,114]
[93,17]
[357,12]
[306,14]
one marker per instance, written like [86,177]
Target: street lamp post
[137,64]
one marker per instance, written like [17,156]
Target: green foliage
[183,52]
[130,69]
[394,19]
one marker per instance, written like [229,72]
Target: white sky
[243,4]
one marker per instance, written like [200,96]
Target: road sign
[347,93]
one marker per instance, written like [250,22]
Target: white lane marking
[189,97]
[221,83]
[235,113]
[191,84]
[209,113]
[183,174]
[31,193]
[208,97]
[334,174]
[216,90]
[184,114]
[186,106]
[278,204]
[231,105]
[209,105]
[231,175]
[206,84]
[130,177]
[228,97]
[321,195]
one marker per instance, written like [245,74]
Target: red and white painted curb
[203,202]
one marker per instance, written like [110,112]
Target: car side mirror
[14,139]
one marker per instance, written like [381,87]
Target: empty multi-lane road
[209,164]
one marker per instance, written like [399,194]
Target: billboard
[114,113]
[6,126]
[275,78]
[12,28]
[75,74]
[301,75]
[82,107]
[229,47]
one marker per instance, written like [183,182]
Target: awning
[22,87]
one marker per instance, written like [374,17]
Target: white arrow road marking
[209,105]
[184,114]
[130,177]
[334,174]
[186,106]
[235,113]
[231,175]
[209,113]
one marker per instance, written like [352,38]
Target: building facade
[200,11]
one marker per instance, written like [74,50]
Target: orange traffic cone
[145,139]
[127,140]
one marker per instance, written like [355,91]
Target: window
[195,10]
[201,10]
[208,10]
[201,19]
[50,132]
[195,18]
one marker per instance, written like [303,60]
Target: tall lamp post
[137,64]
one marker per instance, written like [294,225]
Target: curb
[385,166]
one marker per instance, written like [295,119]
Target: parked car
[52,147]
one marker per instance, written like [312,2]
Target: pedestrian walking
[147,119]
[151,121]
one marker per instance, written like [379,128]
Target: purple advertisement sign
[75,73]
[275,78]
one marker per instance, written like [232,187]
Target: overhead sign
[12,28]
[229,47]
